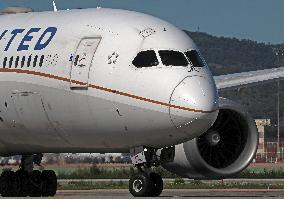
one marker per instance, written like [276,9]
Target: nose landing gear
[147,183]
[28,182]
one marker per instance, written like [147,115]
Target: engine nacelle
[224,150]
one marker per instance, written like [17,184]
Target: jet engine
[224,150]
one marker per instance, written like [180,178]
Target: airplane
[104,80]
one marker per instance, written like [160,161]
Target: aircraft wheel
[140,185]
[49,183]
[36,184]
[8,184]
[23,183]
[157,185]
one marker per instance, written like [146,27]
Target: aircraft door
[82,62]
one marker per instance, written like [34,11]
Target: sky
[259,20]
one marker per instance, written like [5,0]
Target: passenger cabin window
[194,57]
[29,61]
[23,61]
[5,62]
[41,61]
[17,62]
[146,59]
[173,58]
[35,61]
[11,62]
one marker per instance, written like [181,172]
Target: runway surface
[233,180]
[181,193]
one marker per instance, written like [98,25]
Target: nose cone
[194,100]
[196,93]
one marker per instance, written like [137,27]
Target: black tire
[157,185]
[36,184]
[140,185]
[23,183]
[49,183]
[8,184]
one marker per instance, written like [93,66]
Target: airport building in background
[267,146]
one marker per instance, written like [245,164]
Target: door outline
[75,82]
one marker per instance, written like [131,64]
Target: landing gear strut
[147,183]
[28,182]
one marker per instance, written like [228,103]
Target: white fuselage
[101,103]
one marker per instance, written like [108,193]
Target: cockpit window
[173,58]
[194,57]
[146,59]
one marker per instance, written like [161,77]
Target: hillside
[231,55]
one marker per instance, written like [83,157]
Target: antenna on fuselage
[54,6]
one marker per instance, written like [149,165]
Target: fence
[270,153]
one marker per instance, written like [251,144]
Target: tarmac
[174,193]
[233,180]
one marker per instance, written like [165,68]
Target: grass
[95,172]
[262,173]
[124,172]
[107,173]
